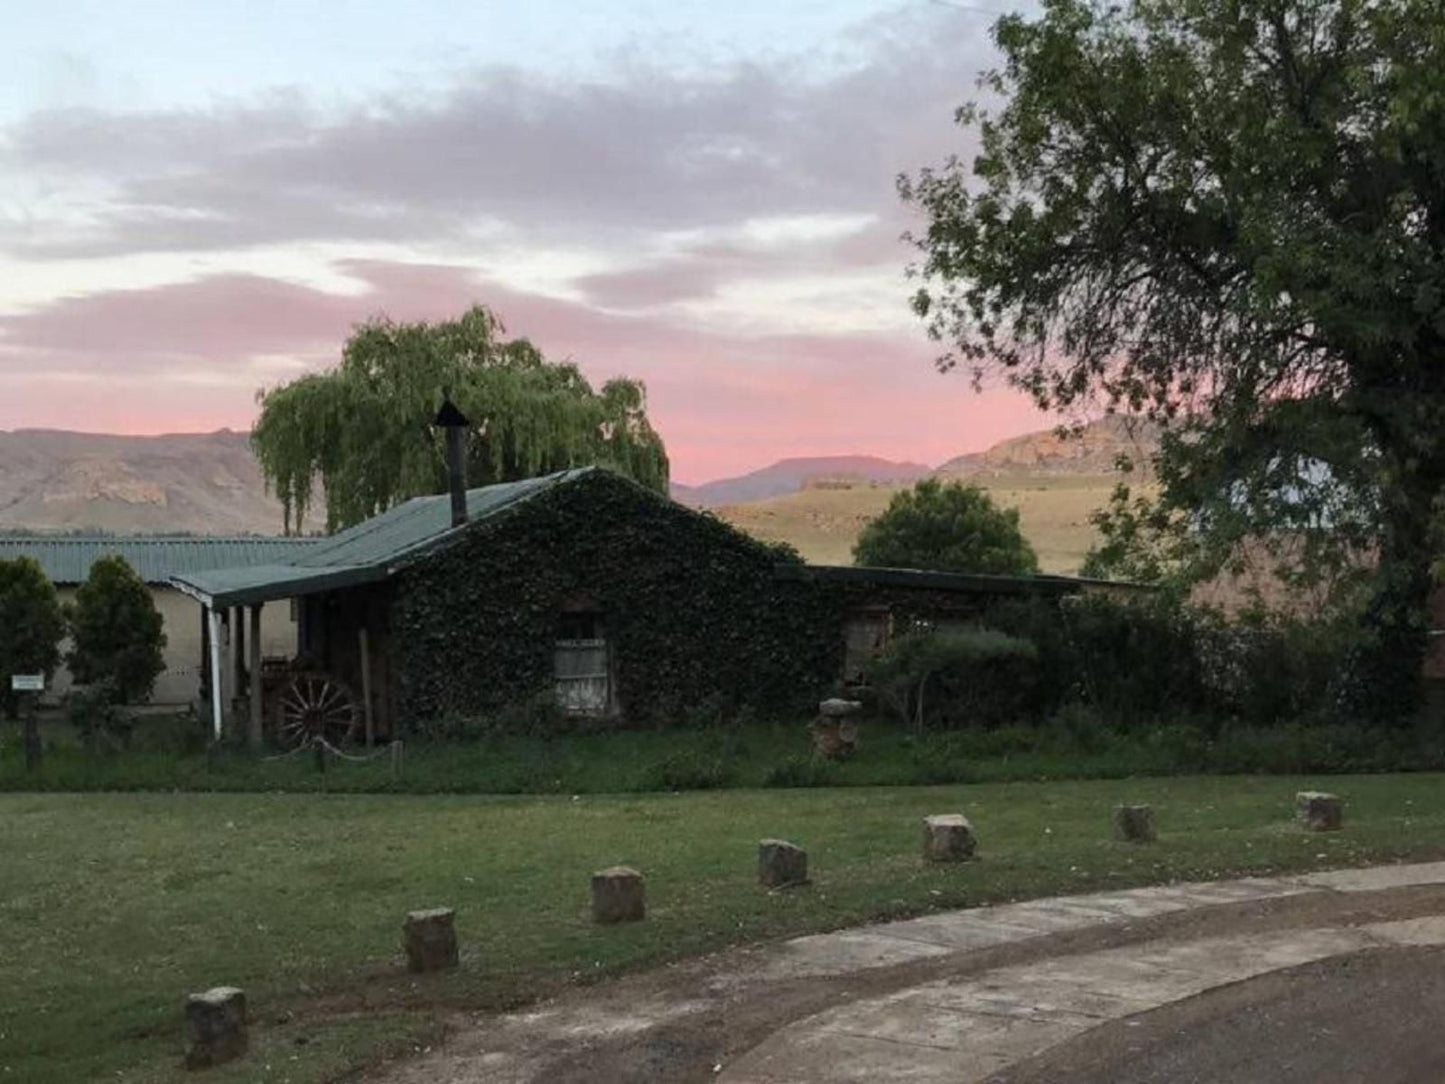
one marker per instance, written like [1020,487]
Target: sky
[200,198]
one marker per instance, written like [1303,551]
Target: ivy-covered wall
[692,609]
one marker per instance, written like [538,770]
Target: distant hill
[205,483]
[210,483]
[790,475]
[1093,450]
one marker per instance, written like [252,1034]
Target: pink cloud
[725,403]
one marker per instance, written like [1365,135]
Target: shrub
[117,632]
[96,714]
[971,676]
[801,771]
[688,770]
[1129,659]
[32,625]
[946,526]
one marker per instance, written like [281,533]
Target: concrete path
[954,997]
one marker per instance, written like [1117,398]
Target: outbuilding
[608,601]
[67,559]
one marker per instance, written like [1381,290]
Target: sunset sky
[198,199]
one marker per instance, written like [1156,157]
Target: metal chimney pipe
[455,422]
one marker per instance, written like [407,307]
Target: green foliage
[970,677]
[1137,659]
[689,769]
[949,527]
[801,771]
[31,624]
[363,429]
[1226,217]
[96,714]
[693,613]
[117,632]
[1139,541]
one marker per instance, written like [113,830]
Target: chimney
[454,422]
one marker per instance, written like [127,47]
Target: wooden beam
[365,645]
[217,671]
[206,678]
[253,734]
[238,649]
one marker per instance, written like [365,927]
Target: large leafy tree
[362,430]
[117,633]
[1229,215]
[947,527]
[31,625]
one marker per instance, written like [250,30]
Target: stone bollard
[1318,811]
[431,939]
[215,1027]
[835,731]
[617,896]
[948,837]
[1134,823]
[781,864]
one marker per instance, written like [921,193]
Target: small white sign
[27,683]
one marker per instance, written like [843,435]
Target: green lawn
[114,906]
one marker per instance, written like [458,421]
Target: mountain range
[210,483]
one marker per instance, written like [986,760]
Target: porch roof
[366,553]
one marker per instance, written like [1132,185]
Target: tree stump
[431,939]
[617,896]
[948,837]
[1134,823]
[215,1027]
[1318,811]
[781,864]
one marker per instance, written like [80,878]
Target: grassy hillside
[823,523]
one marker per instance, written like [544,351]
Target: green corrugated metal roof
[365,552]
[67,559]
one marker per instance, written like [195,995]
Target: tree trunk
[1385,682]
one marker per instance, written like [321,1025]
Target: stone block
[837,708]
[834,737]
[617,896]
[431,939]
[215,1027]
[948,837]
[1134,823]
[781,863]
[1318,811]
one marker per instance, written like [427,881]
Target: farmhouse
[66,559]
[583,586]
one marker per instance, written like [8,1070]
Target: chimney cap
[449,417]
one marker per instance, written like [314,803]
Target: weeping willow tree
[362,431]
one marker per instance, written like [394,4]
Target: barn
[620,605]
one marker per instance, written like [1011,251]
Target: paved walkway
[954,997]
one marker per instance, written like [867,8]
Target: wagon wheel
[315,705]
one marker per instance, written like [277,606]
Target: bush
[947,526]
[32,625]
[96,714]
[971,676]
[801,771]
[117,632]
[1134,660]
[689,770]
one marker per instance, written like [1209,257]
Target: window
[865,635]
[581,664]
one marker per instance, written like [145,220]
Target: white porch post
[216,671]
